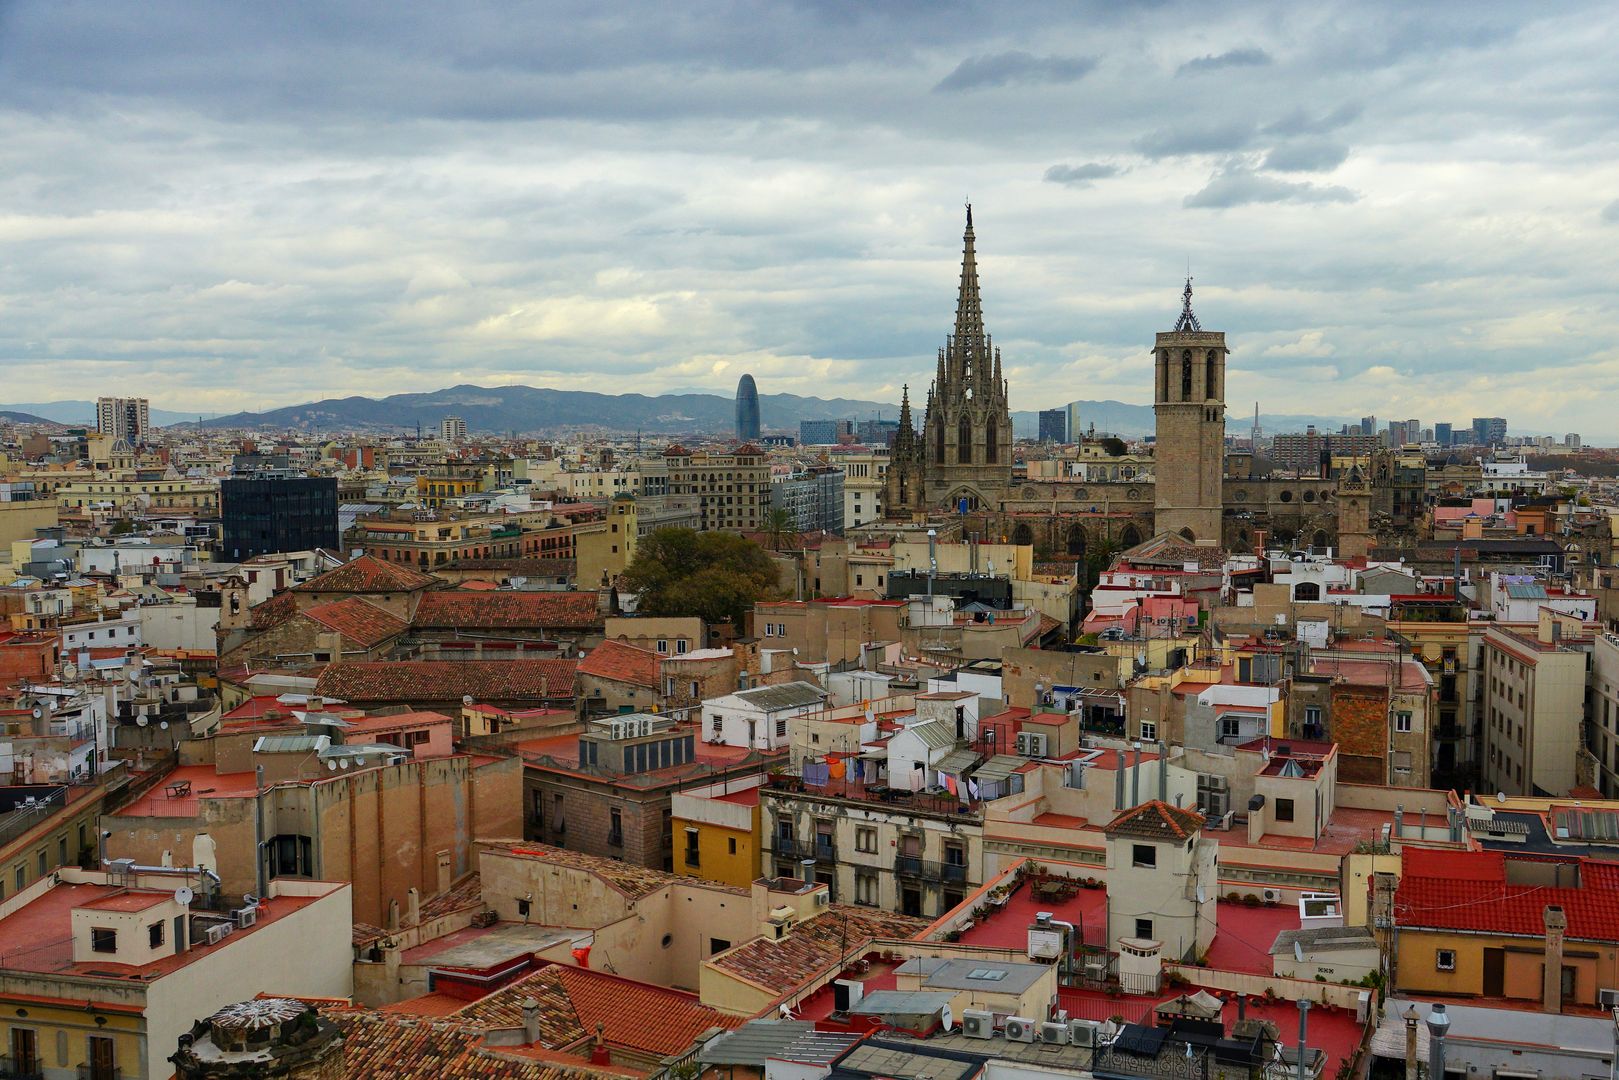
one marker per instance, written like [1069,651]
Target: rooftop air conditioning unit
[246,917]
[1608,999]
[821,898]
[1031,743]
[1019,1029]
[1272,896]
[1082,1032]
[1054,1033]
[846,994]
[978,1024]
[217,933]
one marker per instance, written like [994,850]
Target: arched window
[1076,540]
[989,441]
[1163,375]
[1319,541]
[1130,537]
[938,444]
[1023,534]
[1307,590]
[964,441]
[1188,534]
[1210,383]
[1186,375]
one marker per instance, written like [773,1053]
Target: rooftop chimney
[599,1054]
[531,1021]
[1552,987]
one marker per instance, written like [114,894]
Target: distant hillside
[83,413]
[26,418]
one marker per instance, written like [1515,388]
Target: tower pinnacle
[1187,321]
[969,309]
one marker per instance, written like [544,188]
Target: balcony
[822,851]
[912,866]
[1450,732]
[11,1070]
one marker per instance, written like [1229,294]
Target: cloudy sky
[1411,210]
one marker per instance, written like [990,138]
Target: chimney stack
[1552,988]
[599,1054]
[531,1021]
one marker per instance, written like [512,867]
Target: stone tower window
[938,443]
[1186,375]
[1163,370]
[964,441]
[1210,383]
[989,441]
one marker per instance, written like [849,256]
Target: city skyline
[1382,210]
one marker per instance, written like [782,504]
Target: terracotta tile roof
[411,1048]
[405,681]
[623,663]
[552,568]
[368,574]
[357,620]
[811,947]
[1155,820]
[1469,891]
[476,609]
[632,881]
[273,612]
[573,1001]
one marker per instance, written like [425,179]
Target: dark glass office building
[264,515]
[747,409]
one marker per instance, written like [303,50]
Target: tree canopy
[712,575]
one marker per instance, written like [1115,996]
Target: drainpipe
[1438,1025]
[1118,782]
[1135,778]
[1304,1019]
[258,829]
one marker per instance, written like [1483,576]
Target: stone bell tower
[1354,496]
[1189,407]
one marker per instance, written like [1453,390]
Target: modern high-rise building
[824,432]
[123,418]
[1442,434]
[267,515]
[1368,425]
[813,498]
[452,429]
[747,409]
[1054,425]
[1489,430]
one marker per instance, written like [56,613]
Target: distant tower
[1189,407]
[967,436]
[1257,433]
[1354,498]
[903,496]
[747,410]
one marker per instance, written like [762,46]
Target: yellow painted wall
[716,861]
[63,1033]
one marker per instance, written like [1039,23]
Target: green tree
[778,523]
[712,575]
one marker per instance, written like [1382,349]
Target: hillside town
[906,749]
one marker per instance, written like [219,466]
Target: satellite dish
[70,671]
[183,896]
[39,712]
[141,720]
[345,762]
[163,724]
[1298,952]
[331,765]
[466,699]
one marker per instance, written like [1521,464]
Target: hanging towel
[949,783]
[836,768]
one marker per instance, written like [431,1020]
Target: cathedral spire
[969,311]
[905,409]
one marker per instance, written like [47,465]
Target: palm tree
[778,522]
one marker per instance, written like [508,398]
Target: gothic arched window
[938,443]
[1186,375]
[989,441]
[1209,382]
[964,441]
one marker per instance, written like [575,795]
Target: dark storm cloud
[1195,139]
[1080,176]
[1306,155]
[1240,187]
[1004,69]
[1247,57]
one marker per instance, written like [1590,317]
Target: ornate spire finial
[969,310]
[1187,321]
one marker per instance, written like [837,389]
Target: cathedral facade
[961,461]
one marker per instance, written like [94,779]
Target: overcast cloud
[1398,209]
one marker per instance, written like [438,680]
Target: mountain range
[499,409]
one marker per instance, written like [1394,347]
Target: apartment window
[1401,760]
[1144,929]
[858,580]
[1312,715]
[663,645]
[1144,855]
[154,935]
[1284,809]
[865,888]
[680,646]
[691,847]
[770,629]
[781,729]
[1444,960]
[103,939]
[1402,722]
[1230,727]
[731,846]
[1149,731]
[715,722]
[865,839]
[615,828]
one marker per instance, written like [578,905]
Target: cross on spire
[1188,320]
